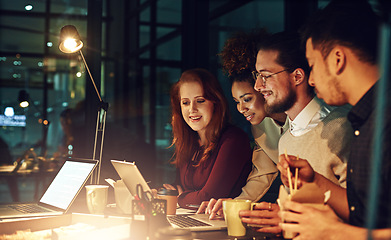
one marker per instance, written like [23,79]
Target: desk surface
[220,234]
[223,235]
[105,224]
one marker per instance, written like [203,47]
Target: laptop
[131,176]
[60,194]
[196,222]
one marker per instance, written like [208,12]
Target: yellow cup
[231,208]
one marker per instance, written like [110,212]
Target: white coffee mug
[97,198]
[123,198]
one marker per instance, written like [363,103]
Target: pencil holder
[147,217]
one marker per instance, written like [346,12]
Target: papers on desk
[86,231]
[68,226]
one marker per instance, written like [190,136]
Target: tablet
[131,176]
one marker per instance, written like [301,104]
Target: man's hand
[265,215]
[306,173]
[309,222]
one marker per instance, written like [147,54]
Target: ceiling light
[23,98]
[9,112]
[28,7]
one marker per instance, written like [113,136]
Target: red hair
[186,139]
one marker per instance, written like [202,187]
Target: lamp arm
[92,79]
[100,122]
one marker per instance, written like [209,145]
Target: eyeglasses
[256,75]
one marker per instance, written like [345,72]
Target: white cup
[231,208]
[123,198]
[97,198]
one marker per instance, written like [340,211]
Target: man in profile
[341,48]
[317,132]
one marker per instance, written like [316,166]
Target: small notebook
[60,194]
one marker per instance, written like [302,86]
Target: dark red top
[222,175]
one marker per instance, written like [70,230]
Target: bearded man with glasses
[317,132]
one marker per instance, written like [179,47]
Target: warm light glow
[78,74]
[70,44]
[24,104]
[70,40]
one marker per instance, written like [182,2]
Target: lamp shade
[70,40]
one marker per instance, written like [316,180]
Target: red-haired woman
[213,158]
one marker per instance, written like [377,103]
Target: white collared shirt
[315,111]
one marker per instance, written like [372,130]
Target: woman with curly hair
[238,61]
[213,158]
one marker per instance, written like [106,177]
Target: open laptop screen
[67,183]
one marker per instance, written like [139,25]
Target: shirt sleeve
[261,177]
[339,145]
[232,158]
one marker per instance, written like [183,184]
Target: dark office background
[135,50]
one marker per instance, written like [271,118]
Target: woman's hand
[169,186]
[213,207]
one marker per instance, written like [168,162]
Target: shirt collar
[305,116]
[363,108]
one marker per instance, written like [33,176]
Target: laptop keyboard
[29,208]
[184,221]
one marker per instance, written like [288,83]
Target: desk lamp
[70,42]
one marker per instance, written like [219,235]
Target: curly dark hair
[239,54]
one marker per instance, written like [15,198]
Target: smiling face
[196,110]
[326,86]
[249,102]
[278,91]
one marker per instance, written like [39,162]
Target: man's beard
[283,105]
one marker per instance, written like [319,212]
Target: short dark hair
[290,55]
[349,23]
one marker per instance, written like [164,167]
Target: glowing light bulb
[70,43]
[24,104]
